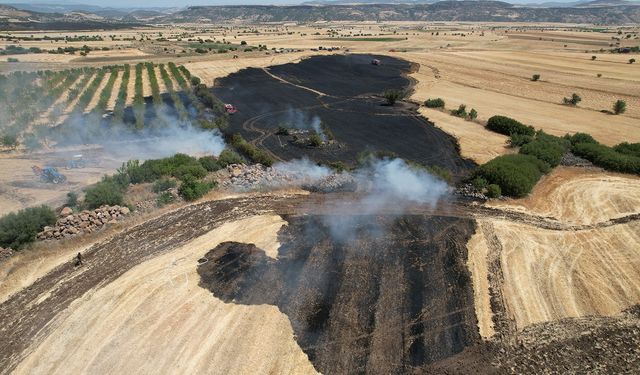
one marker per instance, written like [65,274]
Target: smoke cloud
[163,135]
[297,119]
[388,187]
[303,170]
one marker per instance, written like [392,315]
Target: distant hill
[478,11]
[78,16]
[12,18]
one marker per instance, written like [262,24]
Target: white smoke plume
[162,136]
[301,120]
[390,187]
[303,170]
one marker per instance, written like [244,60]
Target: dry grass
[161,321]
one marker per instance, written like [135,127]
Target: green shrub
[479,183]
[619,107]
[315,140]
[573,100]
[165,198]
[9,140]
[549,152]
[628,148]
[193,169]
[535,77]
[21,228]
[72,199]
[508,126]
[192,189]
[210,163]
[392,96]
[434,103]
[282,131]
[106,192]
[460,112]
[515,174]
[473,114]
[164,184]
[517,140]
[228,156]
[494,191]
[608,158]
[580,138]
[251,151]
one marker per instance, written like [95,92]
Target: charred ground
[379,294]
[345,93]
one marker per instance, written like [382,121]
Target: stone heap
[250,177]
[5,253]
[70,225]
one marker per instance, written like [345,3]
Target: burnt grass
[352,107]
[383,295]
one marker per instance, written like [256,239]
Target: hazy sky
[175,3]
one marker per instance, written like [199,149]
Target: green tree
[460,112]
[631,61]
[535,77]
[393,96]
[619,107]
[315,140]
[473,114]
[21,228]
[494,191]
[434,103]
[573,100]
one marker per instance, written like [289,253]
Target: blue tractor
[49,174]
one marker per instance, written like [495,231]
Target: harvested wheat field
[150,312]
[580,196]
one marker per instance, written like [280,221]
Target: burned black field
[344,93]
[366,294]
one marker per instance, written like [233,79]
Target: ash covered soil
[364,294]
[345,93]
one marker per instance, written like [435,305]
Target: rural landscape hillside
[409,188]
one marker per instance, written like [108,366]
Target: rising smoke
[301,120]
[389,187]
[162,136]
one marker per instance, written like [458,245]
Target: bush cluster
[626,148]
[164,184]
[547,148]
[251,151]
[226,158]
[607,157]
[434,103]
[192,189]
[508,126]
[179,166]
[21,228]
[516,175]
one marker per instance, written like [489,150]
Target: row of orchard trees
[48,98]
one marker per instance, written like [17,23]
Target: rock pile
[250,177]
[5,254]
[469,191]
[84,222]
[571,160]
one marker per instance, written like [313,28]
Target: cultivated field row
[33,102]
